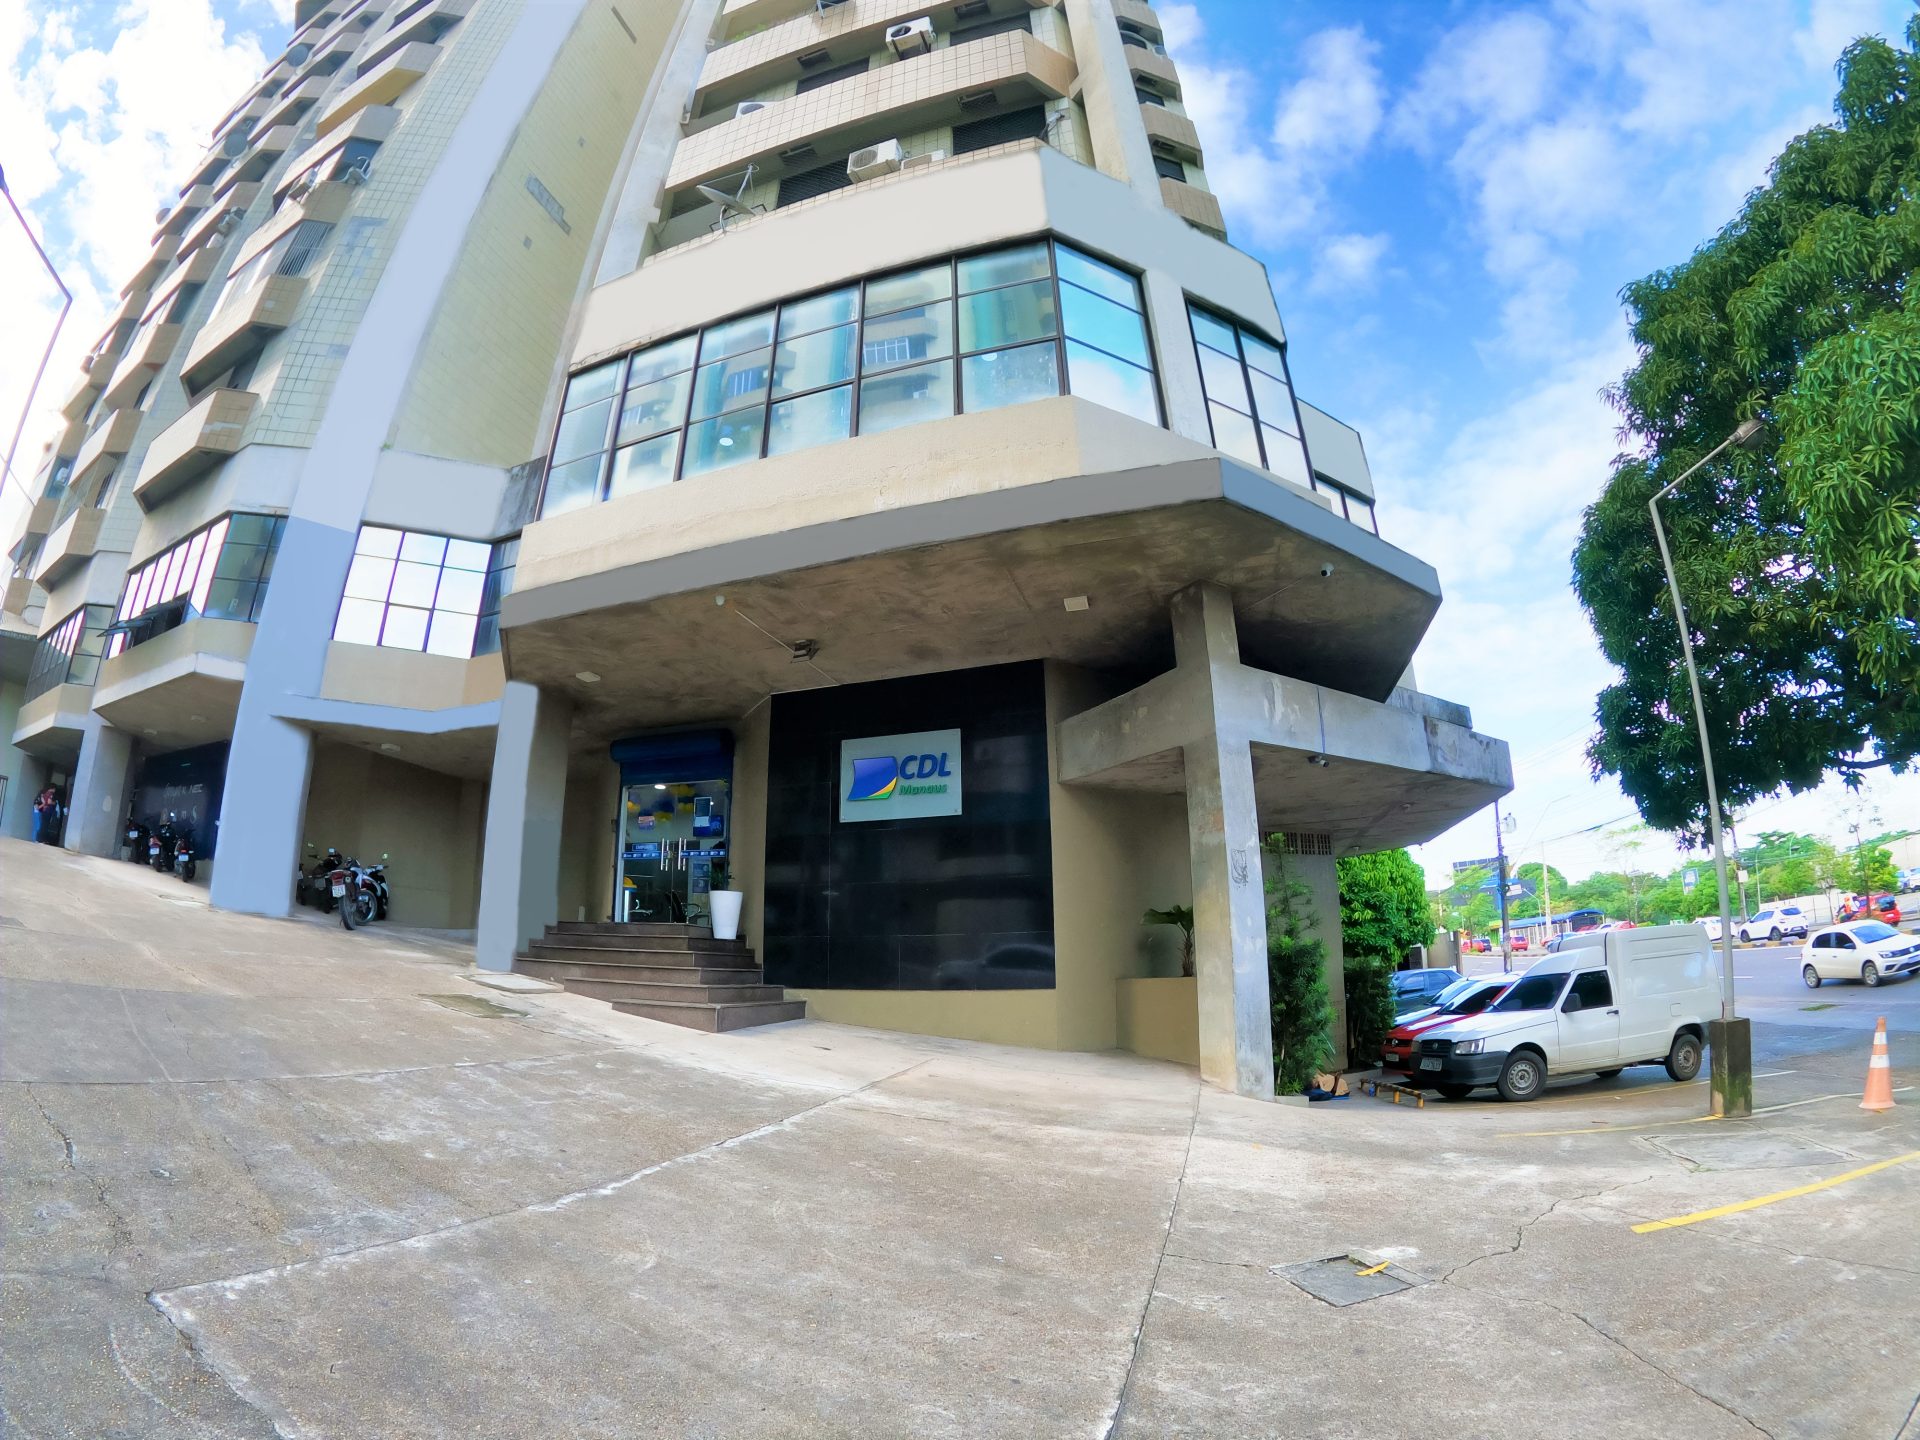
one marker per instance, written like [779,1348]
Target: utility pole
[66,304]
[1500,849]
[1546,896]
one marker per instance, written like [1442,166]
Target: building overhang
[178,689]
[50,726]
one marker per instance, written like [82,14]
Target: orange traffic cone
[1879,1094]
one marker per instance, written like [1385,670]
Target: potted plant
[1181,915]
[724,904]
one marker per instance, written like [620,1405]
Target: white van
[1604,1002]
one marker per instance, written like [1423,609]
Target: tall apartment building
[598,454]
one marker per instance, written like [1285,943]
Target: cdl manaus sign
[900,777]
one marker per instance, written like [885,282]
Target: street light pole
[1732,1040]
[1500,849]
[66,304]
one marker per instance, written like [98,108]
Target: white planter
[725,905]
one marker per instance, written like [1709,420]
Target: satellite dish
[235,142]
[160,215]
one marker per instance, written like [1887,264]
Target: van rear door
[1589,1024]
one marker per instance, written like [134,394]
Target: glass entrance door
[673,851]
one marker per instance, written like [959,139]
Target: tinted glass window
[1593,990]
[1874,930]
[1532,992]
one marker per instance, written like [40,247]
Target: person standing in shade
[46,815]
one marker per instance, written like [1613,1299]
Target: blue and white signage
[900,777]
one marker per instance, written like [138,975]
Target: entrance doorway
[673,850]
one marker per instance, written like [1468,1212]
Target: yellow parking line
[1714,1214]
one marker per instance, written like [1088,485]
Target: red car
[1878,907]
[1459,1000]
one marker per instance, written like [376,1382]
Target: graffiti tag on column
[1239,867]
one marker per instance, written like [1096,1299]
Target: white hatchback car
[1863,950]
[1773,925]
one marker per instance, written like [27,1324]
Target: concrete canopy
[975,580]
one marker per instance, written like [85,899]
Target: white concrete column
[99,799]
[262,809]
[520,872]
[1223,840]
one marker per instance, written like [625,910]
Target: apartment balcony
[266,148]
[290,107]
[68,442]
[214,428]
[81,396]
[244,118]
[843,33]
[1137,12]
[241,325]
[178,689]
[109,441]
[895,99]
[738,17]
[140,364]
[18,597]
[382,85]
[1196,206]
[70,545]
[51,725]
[1151,66]
[195,199]
[424,27]
[236,199]
[1174,133]
[148,275]
[333,51]
[374,123]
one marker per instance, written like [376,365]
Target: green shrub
[1369,1007]
[1296,982]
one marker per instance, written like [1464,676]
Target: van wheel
[1454,1092]
[1683,1060]
[1607,1074]
[1811,976]
[1524,1077]
[1869,974]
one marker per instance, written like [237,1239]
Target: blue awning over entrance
[674,756]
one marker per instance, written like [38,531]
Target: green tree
[1383,915]
[1296,981]
[1799,560]
[1523,907]
[1871,867]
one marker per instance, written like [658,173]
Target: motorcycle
[311,886]
[160,845]
[354,893]
[376,877]
[185,864]
[135,844]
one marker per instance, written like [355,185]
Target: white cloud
[1347,263]
[1333,112]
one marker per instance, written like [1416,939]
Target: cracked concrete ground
[258,1180]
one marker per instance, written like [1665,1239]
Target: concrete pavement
[267,1177]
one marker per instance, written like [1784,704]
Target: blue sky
[1448,196]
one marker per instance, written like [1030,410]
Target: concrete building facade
[602,455]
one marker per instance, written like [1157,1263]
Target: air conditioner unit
[302,187]
[922,162]
[749,107]
[911,37]
[881,159]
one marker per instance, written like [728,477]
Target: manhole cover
[1744,1152]
[474,1005]
[1342,1281]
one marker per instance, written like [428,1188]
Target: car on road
[1773,925]
[1710,924]
[1865,950]
[1869,907]
[1460,999]
[1626,997]
[1418,989]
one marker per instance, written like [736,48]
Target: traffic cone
[1879,1094]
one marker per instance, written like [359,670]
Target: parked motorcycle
[160,845]
[312,887]
[134,846]
[353,891]
[376,876]
[185,863]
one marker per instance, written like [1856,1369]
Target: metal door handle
[1613,1012]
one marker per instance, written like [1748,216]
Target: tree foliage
[1383,914]
[1296,982]
[1798,561]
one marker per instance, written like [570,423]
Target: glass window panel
[643,466]
[914,287]
[1210,331]
[251,529]
[229,600]
[180,576]
[425,549]
[1009,316]
[1274,399]
[203,582]
[749,332]
[368,577]
[717,444]
[359,622]
[1262,356]
[240,562]
[413,583]
[460,591]
[468,555]
[406,629]
[1234,434]
[823,358]
[818,312]
[170,564]
[1225,380]
[653,408]
[1361,513]
[1104,325]
[593,385]
[582,432]
[450,634]
[571,486]
[1101,279]
[1009,377]
[486,635]
[1004,267]
[1286,457]
[196,554]
[810,420]
[906,337]
[374,540]
[1113,383]
[660,361]
[906,397]
[731,384]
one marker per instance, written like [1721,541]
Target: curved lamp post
[66,304]
[1732,1039]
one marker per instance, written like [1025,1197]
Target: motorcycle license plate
[339,890]
[1430,1062]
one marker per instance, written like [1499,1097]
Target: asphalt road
[1767,986]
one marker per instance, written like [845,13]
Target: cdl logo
[879,777]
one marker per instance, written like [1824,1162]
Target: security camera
[1326,572]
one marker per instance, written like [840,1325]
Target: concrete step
[629,937]
[639,927]
[716,1018]
[642,990]
[551,949]
[563,970]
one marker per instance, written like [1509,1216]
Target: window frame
[433,608]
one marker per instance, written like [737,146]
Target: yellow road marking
[1378,1268]
[1697,1216]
